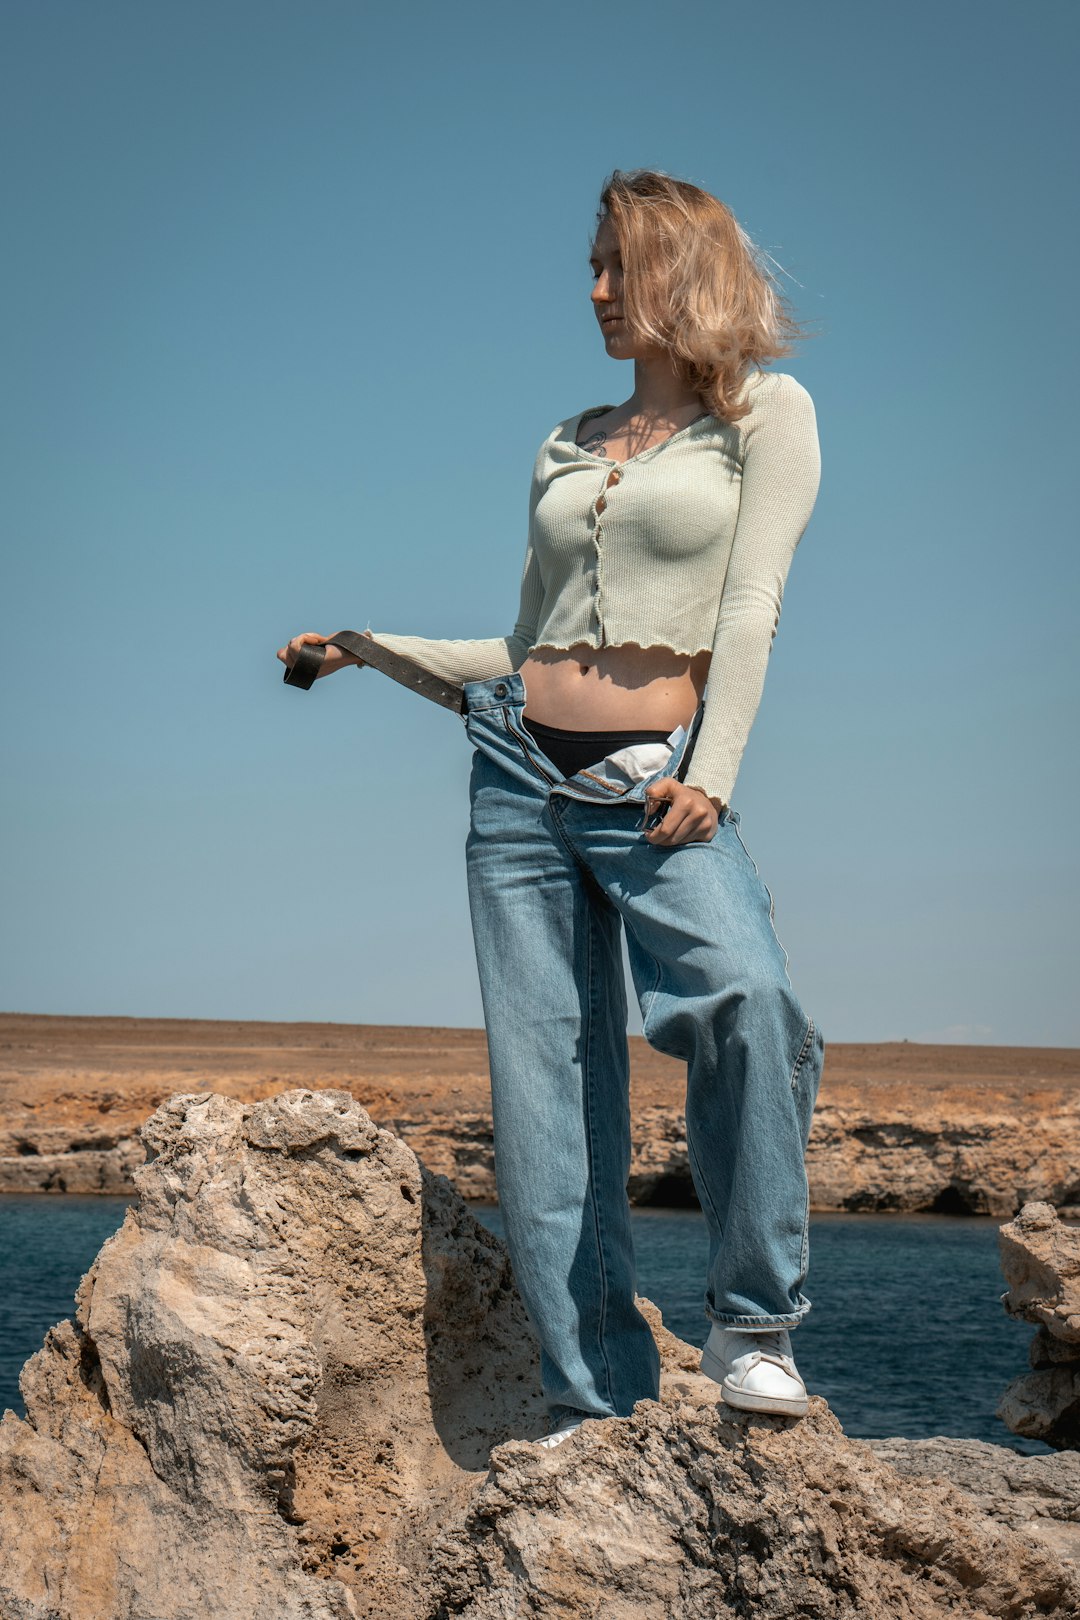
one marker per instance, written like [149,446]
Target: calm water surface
[907,1335]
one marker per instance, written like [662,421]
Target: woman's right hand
[334,657]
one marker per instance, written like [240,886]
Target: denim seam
[590,1111]
[608,787]
[565,841]
[807,1047]
[587,1092]
[728,1319]
[804,1053]
[654,990]
[618,795]
[580,796]
[692,1151]
[513,731]
[645,1031]
[772,907]
[647,1012]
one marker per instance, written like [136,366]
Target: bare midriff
[625,688]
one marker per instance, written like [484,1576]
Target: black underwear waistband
[573,751]
[623,738]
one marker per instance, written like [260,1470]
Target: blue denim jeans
[556,868]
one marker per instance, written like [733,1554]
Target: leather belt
[310,658]
[399,668]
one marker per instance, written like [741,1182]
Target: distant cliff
[898,1126]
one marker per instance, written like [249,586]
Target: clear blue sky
[291,294]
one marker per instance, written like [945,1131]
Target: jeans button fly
[500,690]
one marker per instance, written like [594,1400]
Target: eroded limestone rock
[1039,1495]
[277,1384]
[299,1382]
[691,1509]
[1040,1257]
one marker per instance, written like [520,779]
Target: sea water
[907,1334]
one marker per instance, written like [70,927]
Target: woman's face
[607,299]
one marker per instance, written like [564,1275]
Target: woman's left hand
[691,815]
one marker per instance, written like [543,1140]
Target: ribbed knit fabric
[690,551]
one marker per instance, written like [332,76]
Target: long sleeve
[780,477]
[461,661]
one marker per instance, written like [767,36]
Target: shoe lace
[770,1343]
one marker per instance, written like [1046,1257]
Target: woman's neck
[660,395]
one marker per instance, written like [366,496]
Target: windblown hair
[695,283]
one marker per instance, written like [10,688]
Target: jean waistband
[497,692]
[508,691]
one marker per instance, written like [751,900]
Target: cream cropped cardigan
[690,550]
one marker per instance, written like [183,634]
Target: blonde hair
[695,284]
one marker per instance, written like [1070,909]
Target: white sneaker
[557,1436]
[755,1369]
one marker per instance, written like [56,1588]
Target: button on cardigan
[688,547]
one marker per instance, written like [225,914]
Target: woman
[660,535]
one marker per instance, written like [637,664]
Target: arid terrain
[898,1126]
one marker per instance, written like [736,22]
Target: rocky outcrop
[277,1381]
[299,1382]
[898,1126]
[1039,1495]
[1040,1257]
[685,1511]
